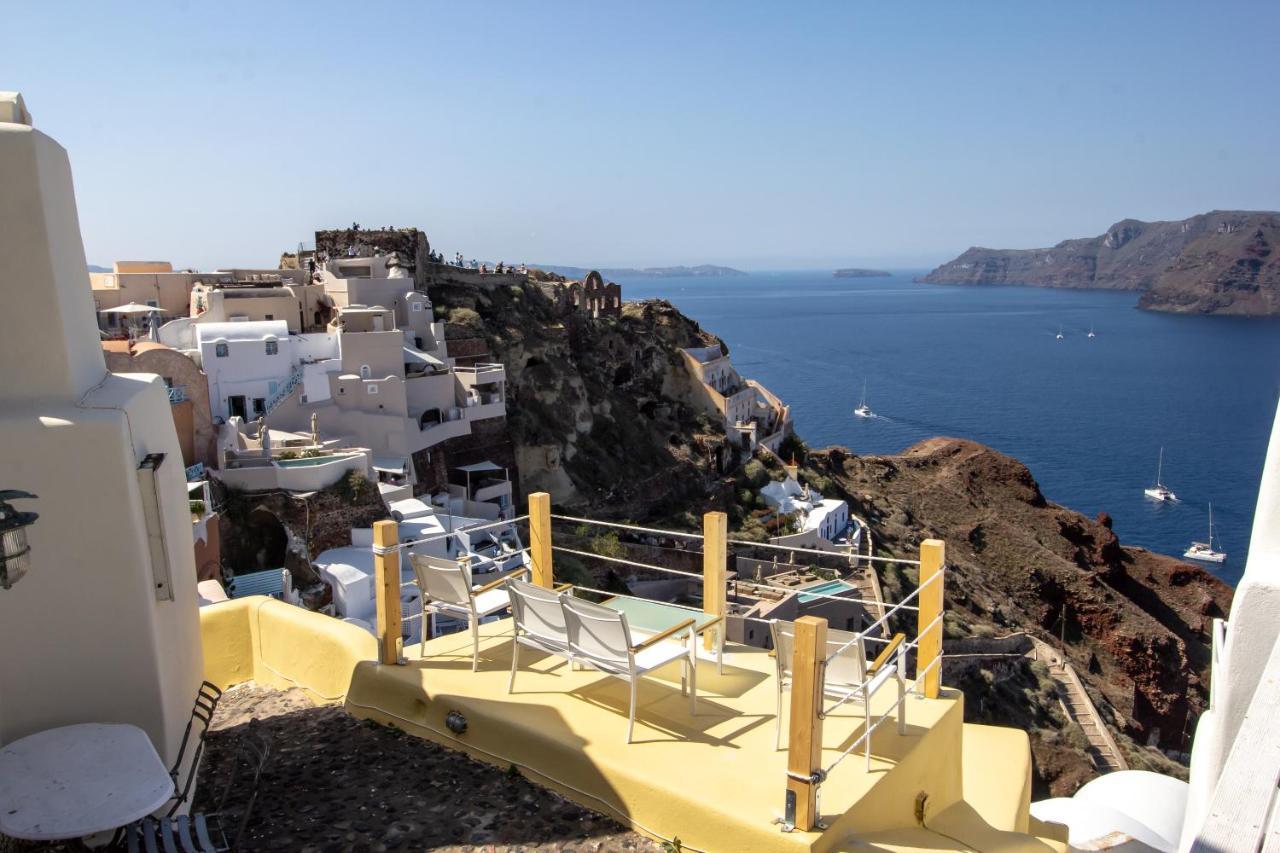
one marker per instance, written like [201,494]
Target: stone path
[1103,751]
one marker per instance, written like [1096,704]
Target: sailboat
[863,410]
[1204,550]
[1091,334]
[1060,336]
[1159,491]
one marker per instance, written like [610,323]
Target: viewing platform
[716,780]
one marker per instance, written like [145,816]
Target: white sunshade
[480,466]
[130,308]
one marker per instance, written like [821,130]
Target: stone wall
[409,243]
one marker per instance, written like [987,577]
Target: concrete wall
[193,419]
[86,638]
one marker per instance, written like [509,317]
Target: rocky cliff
[1223,262]
[1135,624]
[596,406]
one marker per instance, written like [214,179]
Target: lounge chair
[599,637]
[446,589]
[847,675]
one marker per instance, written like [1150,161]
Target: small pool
[828,588]
[309,461]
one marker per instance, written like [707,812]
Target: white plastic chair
[446,589]
[539,622]
[599,637]
[848,674]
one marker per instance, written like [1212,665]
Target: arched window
[365,371]
[220,350]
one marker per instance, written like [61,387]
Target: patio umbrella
[130,308]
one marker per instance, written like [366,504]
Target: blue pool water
[1088,416]
[829,588]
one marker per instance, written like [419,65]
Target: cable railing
[814,696]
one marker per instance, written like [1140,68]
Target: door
[235,406]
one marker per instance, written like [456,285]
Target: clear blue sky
[759,136]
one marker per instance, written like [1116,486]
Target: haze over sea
[1087,416]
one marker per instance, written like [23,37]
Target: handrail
[436,537]
[818,551]
[624,562]
[635,527]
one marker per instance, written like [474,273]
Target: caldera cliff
[1223,262]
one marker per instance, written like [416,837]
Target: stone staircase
[1103,751]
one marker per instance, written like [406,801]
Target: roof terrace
[894,768]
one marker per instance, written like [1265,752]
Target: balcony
[715,779]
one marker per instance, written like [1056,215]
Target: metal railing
[283,392]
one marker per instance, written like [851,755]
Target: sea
[1088,416]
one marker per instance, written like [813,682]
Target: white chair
[446,589]
[599,637]
[539,622]
[847,675]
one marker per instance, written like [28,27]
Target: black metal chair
[206,832]
[201,716]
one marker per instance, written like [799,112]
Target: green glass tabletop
[655,616]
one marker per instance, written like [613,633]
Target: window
[417,306]
[273,347]
[373,388]
[272,387]
[270,317]
[259,406]
[220,350]
[152,303]
[365,371]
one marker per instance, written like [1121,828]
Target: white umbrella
[130,308]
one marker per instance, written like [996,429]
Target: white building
[247,365]
[750,412]
[820,522]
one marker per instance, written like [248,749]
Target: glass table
[653,617]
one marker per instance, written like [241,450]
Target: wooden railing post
[540,539]
[715,555]
[933,553]
[386,563]
[804,750]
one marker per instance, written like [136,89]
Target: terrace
[715,780]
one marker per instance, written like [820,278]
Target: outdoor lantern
[16,558]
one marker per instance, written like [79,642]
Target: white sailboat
[863,410]
[1060,335]
[1159,491]
[1204,550]
[1091,334]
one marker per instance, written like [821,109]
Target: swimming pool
[828,588]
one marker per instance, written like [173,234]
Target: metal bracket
[789,812]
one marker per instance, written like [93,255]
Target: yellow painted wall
[276,644]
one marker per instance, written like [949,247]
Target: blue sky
[760,136]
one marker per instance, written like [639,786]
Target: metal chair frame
[201,715]
[205,832]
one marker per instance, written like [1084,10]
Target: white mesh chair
[539,622]
[447,589]
[599,637]
[847,675]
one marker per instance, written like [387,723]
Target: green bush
[288,454]
[197,507]
[354,487]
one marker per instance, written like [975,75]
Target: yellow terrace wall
[258,639]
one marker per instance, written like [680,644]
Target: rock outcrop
[1223,262]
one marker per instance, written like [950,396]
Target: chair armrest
[494,584]
[883,657]
[657,638]
[561,587]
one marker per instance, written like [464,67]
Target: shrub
[288,454]
[354,487]
[197,507]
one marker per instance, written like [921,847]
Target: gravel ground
[336,783]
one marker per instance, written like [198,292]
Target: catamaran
[863,410]
[1091,334]
[1060,336]
[1160,491]
[1204,550]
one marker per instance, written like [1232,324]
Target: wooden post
[715,533]
[804,749]
[933,553]
[386,535]
[540,539]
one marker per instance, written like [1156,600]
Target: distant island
[854,272]
[704,270]
[1222,262]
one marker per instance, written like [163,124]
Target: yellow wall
[276,644]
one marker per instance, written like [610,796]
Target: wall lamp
[15,558]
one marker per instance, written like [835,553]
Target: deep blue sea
[1088,416]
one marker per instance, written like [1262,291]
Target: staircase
[1103,751]
[283,392]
